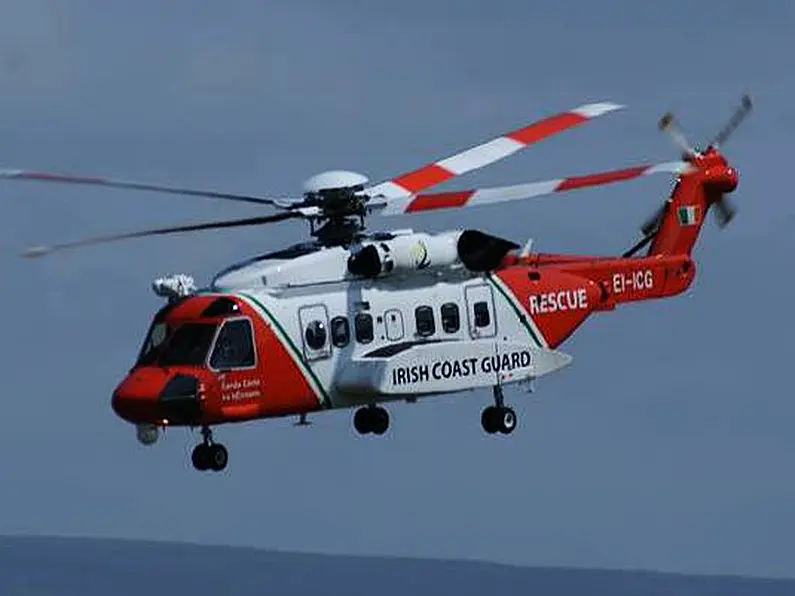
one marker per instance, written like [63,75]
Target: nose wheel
[209,455]
[499,417]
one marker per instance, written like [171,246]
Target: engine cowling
[475,250]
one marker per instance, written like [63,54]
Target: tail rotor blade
[652,223]
[669,125]
[724,212]
[739,115]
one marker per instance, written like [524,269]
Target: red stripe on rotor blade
[423,178]
[440,200]
[546,127]
[603,178]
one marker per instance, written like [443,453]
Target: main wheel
[371,419]
[201,457]
[361,421]
[379,420]
[498,419]
[490,419]
[507,420]
[218,457]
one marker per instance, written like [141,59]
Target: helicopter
[358,320]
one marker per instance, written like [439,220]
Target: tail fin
[696,191]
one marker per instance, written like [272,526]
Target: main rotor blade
[499,194]
[11,174]
[38,251]
[489,152]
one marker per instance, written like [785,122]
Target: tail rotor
[724,211]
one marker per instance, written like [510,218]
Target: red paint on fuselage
[274,386]
[557,301]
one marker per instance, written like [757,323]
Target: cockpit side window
[157,334]
[234,347]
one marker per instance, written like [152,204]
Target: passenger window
[424,319]
[316,335]
[340,331]
[363,326]
[451,320]
[482,316]
[234,347]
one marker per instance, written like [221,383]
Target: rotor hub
[335,180]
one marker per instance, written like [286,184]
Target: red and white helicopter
[352,319]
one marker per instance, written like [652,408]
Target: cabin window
[234,347]
[316,335]
[423,316]
[340,331]
[482,315]
[363,326]
[451,319]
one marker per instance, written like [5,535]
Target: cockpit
[217,337]
[176,378]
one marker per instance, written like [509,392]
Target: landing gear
[371,419]
[209,455]
[499,417]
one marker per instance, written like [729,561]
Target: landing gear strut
[209,455]
[371,419]
[499,417]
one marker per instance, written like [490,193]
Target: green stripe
[521,316]
[296,352]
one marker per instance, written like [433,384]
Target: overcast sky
[668,444]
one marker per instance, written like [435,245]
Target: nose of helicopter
[136,398]
[156,395]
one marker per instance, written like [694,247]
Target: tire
[218,457]
[507,421]
[379,423]
[362,421]
[201,457]
[489,419]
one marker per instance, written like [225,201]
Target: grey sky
[667,445]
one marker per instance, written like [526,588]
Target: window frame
[427,309]
[359,316]
[326,339]
[348,335]
[252,329]
[485,304]
[457,308]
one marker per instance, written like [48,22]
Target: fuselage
[278,337]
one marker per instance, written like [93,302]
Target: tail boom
[635,279]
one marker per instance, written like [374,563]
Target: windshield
[185,345]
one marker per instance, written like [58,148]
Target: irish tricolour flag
[688,216]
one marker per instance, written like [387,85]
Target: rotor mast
[340,200]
